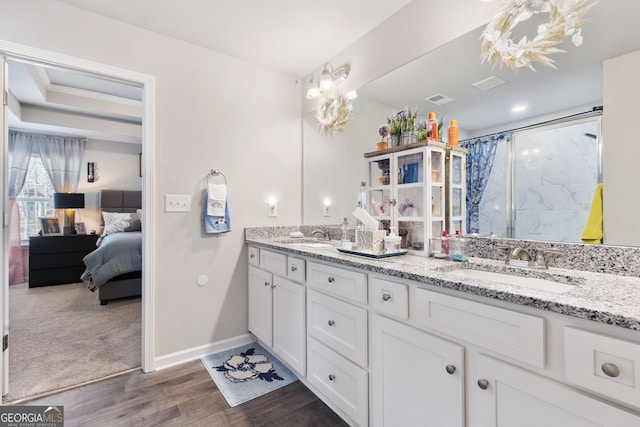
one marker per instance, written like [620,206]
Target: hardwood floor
[184,395]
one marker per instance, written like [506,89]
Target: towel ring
[216,174]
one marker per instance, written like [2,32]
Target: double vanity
[411,340]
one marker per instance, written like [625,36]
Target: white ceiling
[291,36]
[296,37]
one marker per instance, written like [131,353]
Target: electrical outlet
[177,203]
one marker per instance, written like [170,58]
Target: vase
[408,138]
[394,140]
[382,145]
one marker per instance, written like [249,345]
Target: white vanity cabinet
[277,312]
[510,396]
[338,337]
[406,190]
[417,378]
[385,351]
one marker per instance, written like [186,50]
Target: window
[36,198]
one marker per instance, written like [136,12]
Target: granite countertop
[605,298]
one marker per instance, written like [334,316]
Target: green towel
[592,233]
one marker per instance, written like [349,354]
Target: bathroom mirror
[450,72]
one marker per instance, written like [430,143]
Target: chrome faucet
[324,234]
[518,253]
[541,261]
[516,256]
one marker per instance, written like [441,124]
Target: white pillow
[117,222]
[139,212]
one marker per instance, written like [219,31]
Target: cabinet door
[514,397]
[289,335]
[418,378]
[260,304]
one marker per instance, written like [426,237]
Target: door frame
[147,82]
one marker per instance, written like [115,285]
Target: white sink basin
[514,280]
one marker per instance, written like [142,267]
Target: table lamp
[69,202]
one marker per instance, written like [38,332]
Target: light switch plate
[177,203]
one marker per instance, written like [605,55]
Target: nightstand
[57,260]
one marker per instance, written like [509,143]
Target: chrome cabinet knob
[331,322]
[332,377]
[610,370]
[331,279]
[273,286]
[267,283]
[252,256]
[483,384]
[386,297]
[294,268]
[451,369]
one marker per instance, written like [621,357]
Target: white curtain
[62,159]
[20,147]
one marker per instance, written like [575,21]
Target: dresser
[56,260]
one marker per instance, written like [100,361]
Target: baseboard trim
[177,358]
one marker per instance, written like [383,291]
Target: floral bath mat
[246,372]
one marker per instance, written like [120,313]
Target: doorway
[147,85]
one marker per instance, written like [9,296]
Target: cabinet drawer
[295,269]
[254,256]
[274,262]
[338,324]
[344,283]
[606,365]
[390,297]
[345,384]
[507,332]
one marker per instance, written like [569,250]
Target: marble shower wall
[556,172]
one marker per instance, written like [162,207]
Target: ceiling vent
[439,99]
[489,83]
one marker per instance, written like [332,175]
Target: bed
[114,269]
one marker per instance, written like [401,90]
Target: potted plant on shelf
[383,131]
[408,118]
[393,123]
[421,128]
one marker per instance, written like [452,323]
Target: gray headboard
[120,201]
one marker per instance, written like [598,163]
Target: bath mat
[246,372]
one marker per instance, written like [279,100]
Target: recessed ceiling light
[518,108]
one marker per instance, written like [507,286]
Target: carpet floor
[60,336]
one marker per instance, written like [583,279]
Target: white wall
[117,168]
[621,149]
[346,149]
[213,111]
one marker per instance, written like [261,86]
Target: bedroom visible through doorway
[145,84]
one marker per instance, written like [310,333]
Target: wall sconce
[273,207]
[91,172]
[325,207]
[329,79]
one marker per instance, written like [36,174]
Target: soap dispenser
[392,242]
